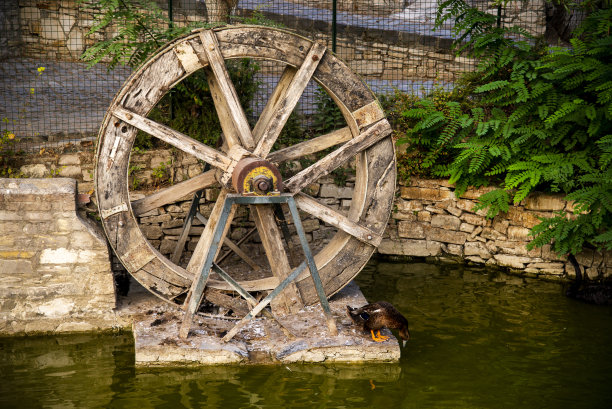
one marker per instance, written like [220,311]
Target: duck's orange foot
[381,337]
[378,337]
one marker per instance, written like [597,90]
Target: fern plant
[537,119]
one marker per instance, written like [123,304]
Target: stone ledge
[261,341]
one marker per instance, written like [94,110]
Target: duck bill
[404,343]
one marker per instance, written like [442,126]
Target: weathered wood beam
[330,216]
[288,99]
[174,138]
[174,193]
[335,159]
[311,146]
[226,96]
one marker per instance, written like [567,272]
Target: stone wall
[57,30]
[427,221]
[55,273]
[9,28]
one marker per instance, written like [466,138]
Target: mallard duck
[378,315]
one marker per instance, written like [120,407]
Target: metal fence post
[334,13]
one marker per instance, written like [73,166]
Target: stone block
[16,267]
[58,256]
[410,230]
[476,249]
[75,43]
[517,233]
[490,234]
[56,308]
[332,190]
[69,159]
[474,219]
[424,216]
[412,193]
[51,29]
[34,171]
[408,206]
[445,236]
[467,228]
[454,249]
[549,268]
[151,232]
[544,202]
[447,222]
[519,217]
[501,225]
[415,248]
[517,262]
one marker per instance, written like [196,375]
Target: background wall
[427,220]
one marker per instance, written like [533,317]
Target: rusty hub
[259,177]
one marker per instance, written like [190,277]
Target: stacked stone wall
[55,273]
[427,220]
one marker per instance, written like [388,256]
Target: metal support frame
[195,297]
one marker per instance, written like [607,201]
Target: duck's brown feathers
[379,315]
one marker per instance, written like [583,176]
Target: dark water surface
[479,340]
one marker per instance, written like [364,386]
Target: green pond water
[479,340]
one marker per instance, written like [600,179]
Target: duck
[378,315]
[583,290]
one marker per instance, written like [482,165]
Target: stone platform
[260,341]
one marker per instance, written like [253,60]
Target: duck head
[404,335]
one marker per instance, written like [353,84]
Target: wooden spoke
[285,101]
[311,146]
[328,215]
[289,300]
[175,138]
[269,110]
[231,115]
[335,159]
[174,193]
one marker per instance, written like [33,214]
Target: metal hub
[259,177]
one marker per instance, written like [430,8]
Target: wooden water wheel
[365,142]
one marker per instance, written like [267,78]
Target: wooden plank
[335,159]
[287,100]
[187,56]
[262,284]
[229,97]
[289,300]
[238,305]
[174,138]
[229,131]
[270,108]
[368,114]
[174,193]
[328,215]
[311,146]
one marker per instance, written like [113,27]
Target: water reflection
[479,340]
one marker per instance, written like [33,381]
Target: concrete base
[260,341]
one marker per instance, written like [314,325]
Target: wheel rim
[366,139]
